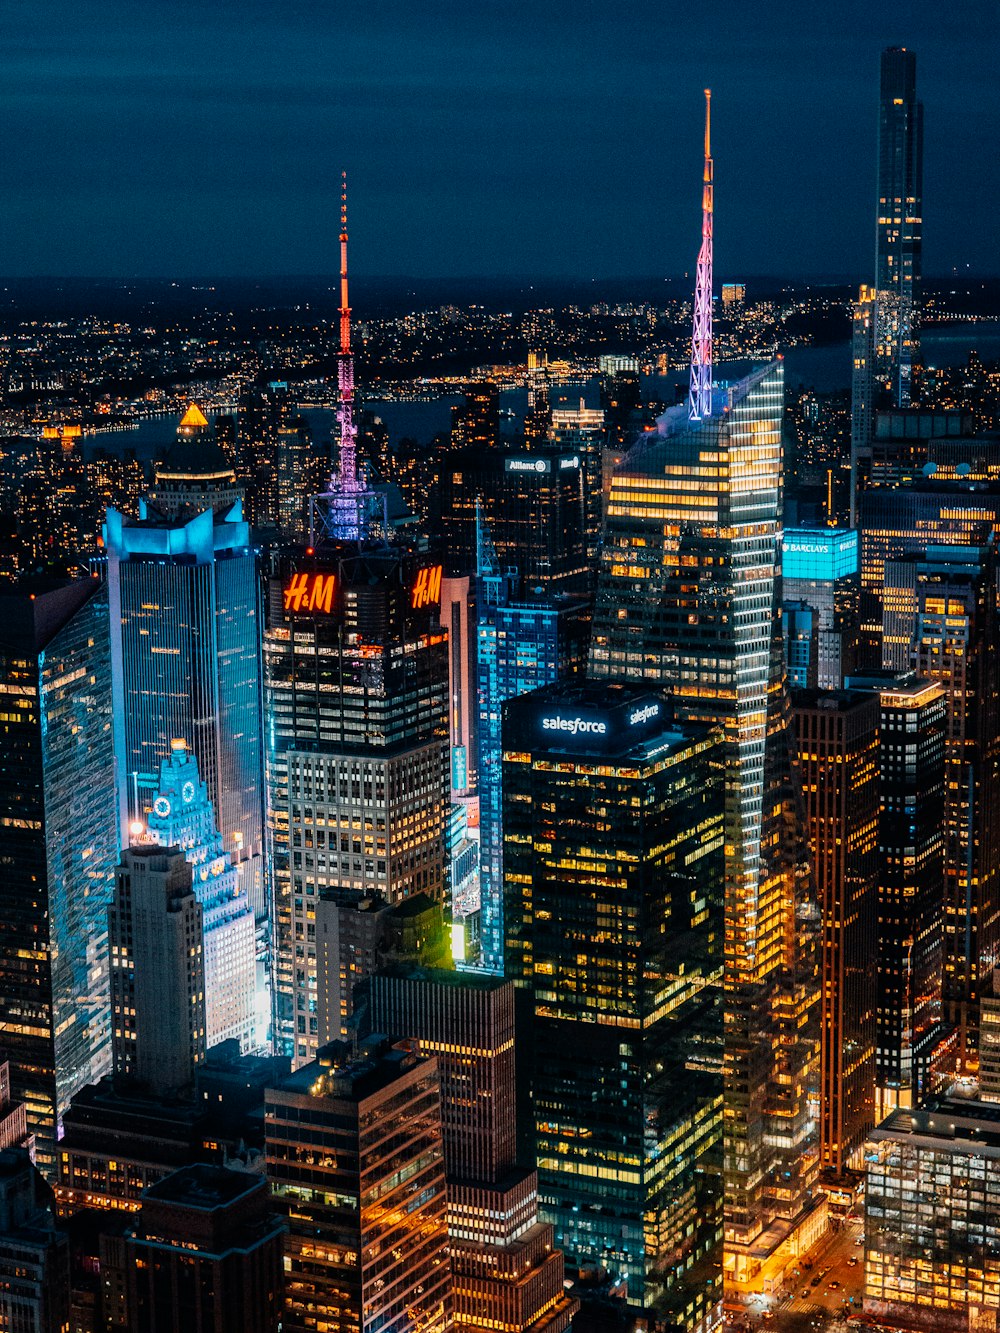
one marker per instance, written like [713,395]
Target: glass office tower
[523,641]
[59,823]
[185,662]
[689,599]
[613,867]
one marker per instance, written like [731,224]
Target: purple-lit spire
[700,401]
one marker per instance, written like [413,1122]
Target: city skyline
[552,146]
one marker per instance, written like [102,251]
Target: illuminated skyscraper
[205,1255]
[182,816]
[358,772]
[185,662]
[899,267]
[578,424]
[956,645]
[688,600]
[355,1162]
[535,505]
[898,524]
[475,424]
[837,759]
[613,852]
[59,828]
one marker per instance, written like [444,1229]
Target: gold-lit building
[355,1162]
[689,600]
[837,749]
[932,1219]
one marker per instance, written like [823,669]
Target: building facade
[837,754]
[956,646]
[59,829]
[507,1272]
[820,569]
[898,258]
[356,1165]
[932,1218]
[206,1255]
[910,887]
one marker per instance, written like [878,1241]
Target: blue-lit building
[186,663]
[522,643]
[821,573]
[182,816]
[59,826]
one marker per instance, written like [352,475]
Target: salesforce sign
[576,726]
[619,721]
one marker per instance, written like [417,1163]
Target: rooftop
[204,1187]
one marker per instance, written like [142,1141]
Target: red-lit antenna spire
[348,478]
[700,401]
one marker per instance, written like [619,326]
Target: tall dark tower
[900,222]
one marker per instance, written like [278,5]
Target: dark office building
[206,1255]
[910,886]
[358,771]
[475,424]
[613,864]
[59,825]
[507,1272]
[837,756]
[899,263]
[956,645]
[34,1255]
[534,504]
[156,940]
[356,1166]
[897,525]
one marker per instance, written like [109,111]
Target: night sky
[551,137]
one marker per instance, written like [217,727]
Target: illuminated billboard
[822,554]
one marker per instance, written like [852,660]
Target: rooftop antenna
[348,510]
[700,398]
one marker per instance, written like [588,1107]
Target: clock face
[162,806]
[187,791]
